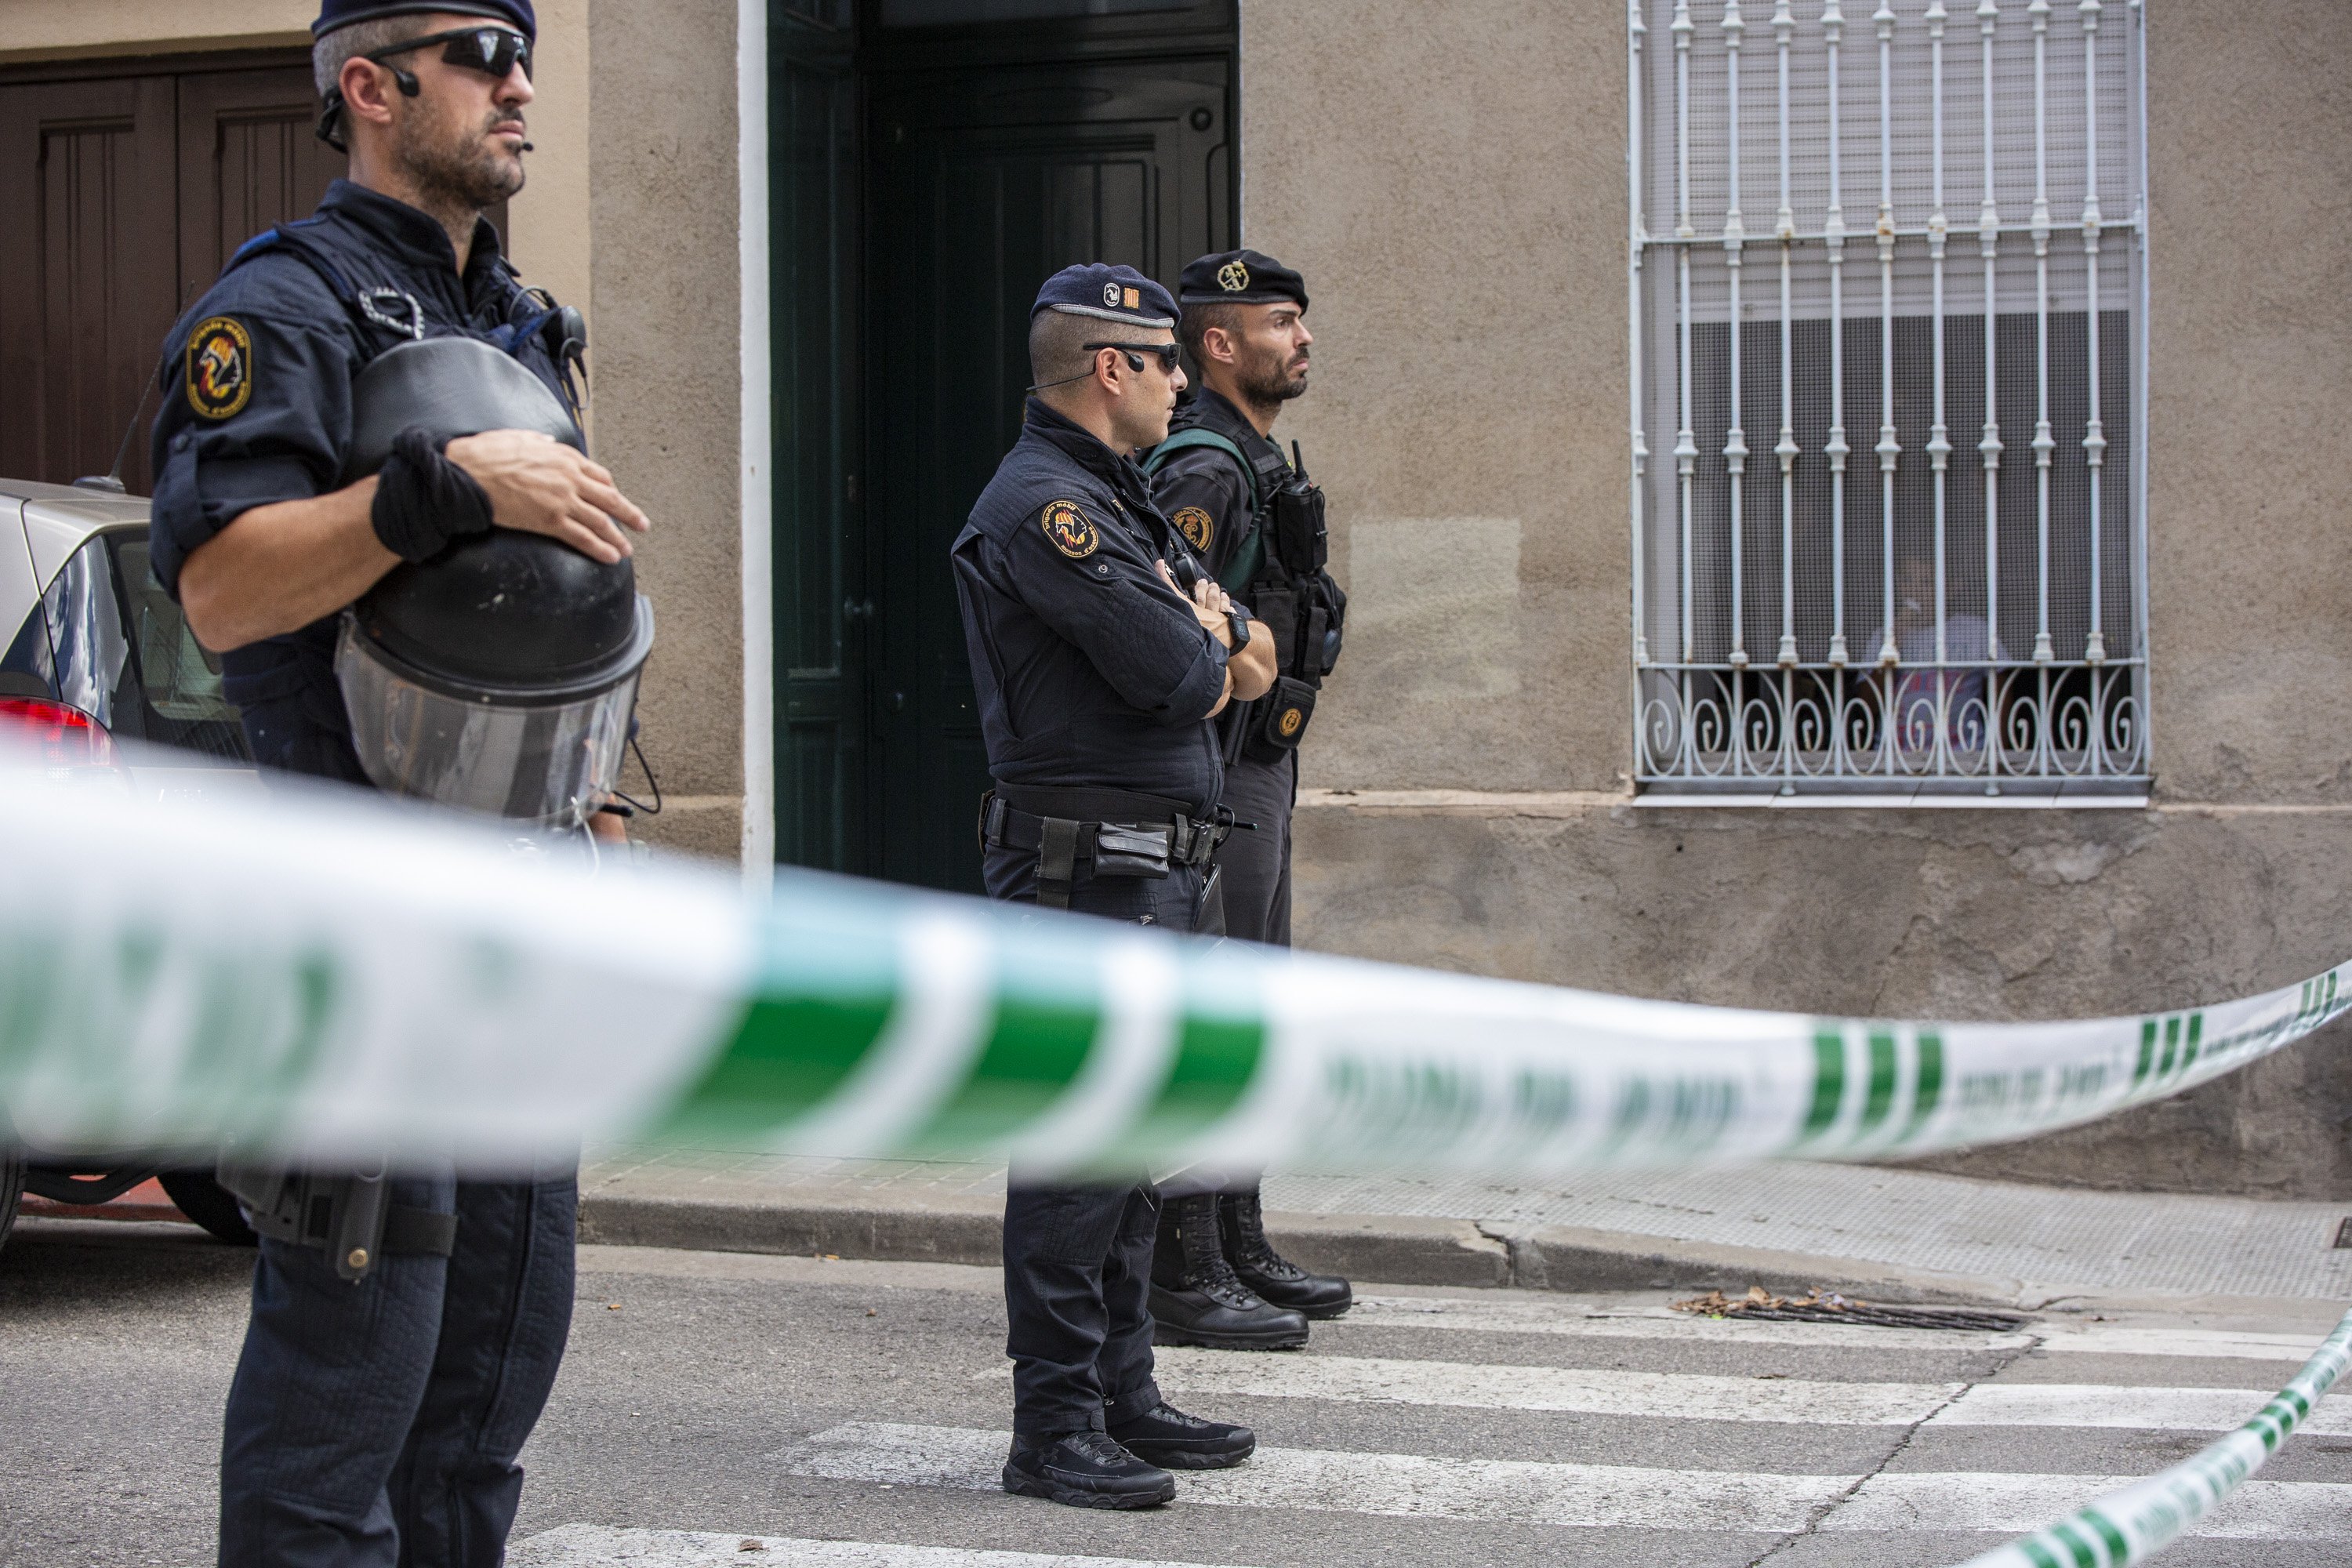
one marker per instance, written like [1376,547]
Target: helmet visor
[549,763]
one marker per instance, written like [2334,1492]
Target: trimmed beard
[1268,385]
[469,174]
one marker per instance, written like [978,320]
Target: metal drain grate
[1834,1308]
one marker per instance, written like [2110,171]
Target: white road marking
[1577,1319]
[596,1546]
[2262,1511]
[1581,1320]
[2104,1404]
[1572,1496]
[1401,1485]
[1655,1396]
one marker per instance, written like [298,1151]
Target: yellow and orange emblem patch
[1070,529]
[220,367]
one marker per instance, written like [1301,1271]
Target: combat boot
[1086,1469]
[1195,1297]
[1273,1279]
[1166,1436]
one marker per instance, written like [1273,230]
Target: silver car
[102,682]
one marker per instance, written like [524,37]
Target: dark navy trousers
[1077,1259]
[377,1425]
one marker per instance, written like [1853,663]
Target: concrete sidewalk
[1887,1234]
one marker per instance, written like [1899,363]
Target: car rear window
[120,650]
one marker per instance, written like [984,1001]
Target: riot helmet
[499,676]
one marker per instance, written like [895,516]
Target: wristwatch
[1239,623]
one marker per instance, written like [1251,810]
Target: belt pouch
[1287,708]
[1058,861]
[1131,851]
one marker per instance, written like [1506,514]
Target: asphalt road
[722,1408]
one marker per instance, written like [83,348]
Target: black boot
[1196,1301]
[1241,1223]
[1086,1469]
[1166,1436]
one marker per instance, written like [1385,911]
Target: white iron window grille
[1887,284]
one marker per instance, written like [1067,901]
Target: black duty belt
[1115,833]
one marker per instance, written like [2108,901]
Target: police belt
[1117,833]
[352,1217]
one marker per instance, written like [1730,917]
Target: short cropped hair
[1057,350]
[334,50]
[1192,326]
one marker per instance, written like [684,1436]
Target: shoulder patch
[1197,527]
[220,367]
[1070,529]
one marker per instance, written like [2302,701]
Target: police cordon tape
[328,974]
[2135,1523]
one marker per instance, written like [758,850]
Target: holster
[352,1217]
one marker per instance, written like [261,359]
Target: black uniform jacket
[1091,671]
[257,409]
[1203,490]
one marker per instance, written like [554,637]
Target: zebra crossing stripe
[2139,1521]
[1587,1497]
[1686,1396]
[322,977]
[1504,1316]
[599,1546]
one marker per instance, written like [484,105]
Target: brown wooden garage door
[122,195]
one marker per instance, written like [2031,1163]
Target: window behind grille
[1767,659]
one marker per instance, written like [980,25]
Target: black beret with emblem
[1241,278]
[1113,293]
[334,14]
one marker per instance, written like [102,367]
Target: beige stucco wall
[64,30]
[1460,218]
[668,382]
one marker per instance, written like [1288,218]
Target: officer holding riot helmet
[372,498]
[1257,520]
[1101,656]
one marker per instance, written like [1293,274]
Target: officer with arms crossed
[1230,491]
[368,411]
[1101,656]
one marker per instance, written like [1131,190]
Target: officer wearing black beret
[384,1390]
[1102,654]
[1250,512]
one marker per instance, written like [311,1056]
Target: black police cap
[1113,293]
[334,14]
[1241,278]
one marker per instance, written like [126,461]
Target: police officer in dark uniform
[384,1391]
[1250,512]
[1102,654]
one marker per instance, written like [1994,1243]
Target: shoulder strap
[1194,436]
[386,308]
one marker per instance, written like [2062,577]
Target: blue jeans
[376,1425]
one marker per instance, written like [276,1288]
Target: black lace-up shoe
[1272,1278]
[1086,1469]
[1166,1436]
[1196,1300]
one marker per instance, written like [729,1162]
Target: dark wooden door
[982,184]
[126,194]
[88,274]
[249,160]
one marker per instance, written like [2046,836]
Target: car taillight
[50,734]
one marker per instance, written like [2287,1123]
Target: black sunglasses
[493,51]
[1168,353]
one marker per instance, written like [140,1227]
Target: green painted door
[982,182]
[820,600]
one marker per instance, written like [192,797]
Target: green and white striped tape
[313,976]
[2135,1523]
